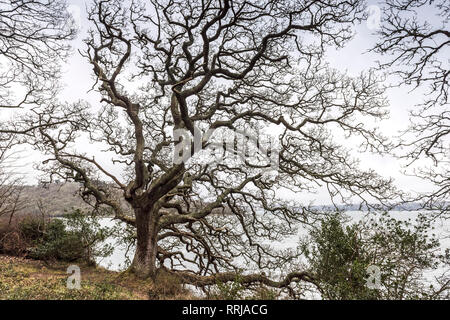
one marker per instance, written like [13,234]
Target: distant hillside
[412,206]
[53,199]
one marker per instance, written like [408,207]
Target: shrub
[339,261]
[76,237]
[32,227]
[91,234]
[339,256]
[57,243]
[12,240]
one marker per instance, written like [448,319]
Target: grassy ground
[29,279]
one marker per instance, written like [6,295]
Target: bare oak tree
[213,69]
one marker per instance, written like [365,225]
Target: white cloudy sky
[353,59]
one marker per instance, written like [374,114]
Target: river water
[117,261]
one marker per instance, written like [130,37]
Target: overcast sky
[353,59]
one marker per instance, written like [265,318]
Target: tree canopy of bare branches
[34,37]
[213,69]
[418,51]
[11,198]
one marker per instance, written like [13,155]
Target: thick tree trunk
[144,261]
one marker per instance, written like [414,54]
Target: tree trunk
[144,261]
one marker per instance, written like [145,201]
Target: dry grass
[24,279]
[34,280]
[169,287]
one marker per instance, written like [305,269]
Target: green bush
[339,255]
[32,228]
[57,243]
[339,261]
[91,234]
[75,237]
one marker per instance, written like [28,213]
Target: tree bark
[144,261]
